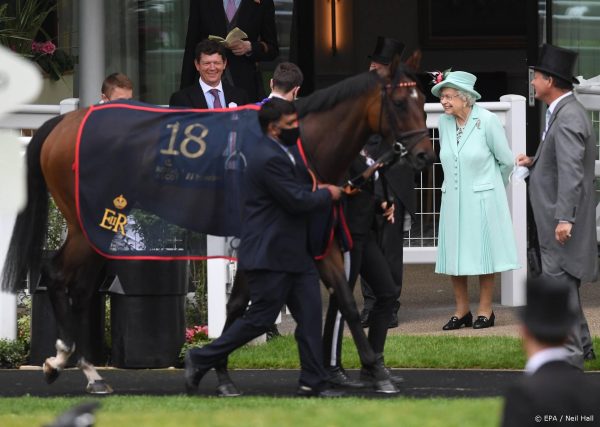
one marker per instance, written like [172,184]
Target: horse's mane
[325,99]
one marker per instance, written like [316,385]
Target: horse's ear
[414,61]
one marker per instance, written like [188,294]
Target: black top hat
[557,62]
[551,310]
[385,49]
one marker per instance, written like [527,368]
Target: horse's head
[400,117]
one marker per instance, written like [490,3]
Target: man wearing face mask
[274,254]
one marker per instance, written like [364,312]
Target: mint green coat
[475,229]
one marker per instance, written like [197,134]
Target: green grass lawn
[182,411]
[405,352]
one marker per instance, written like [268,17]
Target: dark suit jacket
[278,201]
[555,389]
[256,19]
[194,98]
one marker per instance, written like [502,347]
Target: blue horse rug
[152,182]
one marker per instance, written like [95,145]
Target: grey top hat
[385,49]
[557,62]
[551,310]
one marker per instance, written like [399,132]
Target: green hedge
[12,354]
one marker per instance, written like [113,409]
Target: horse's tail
[29,232]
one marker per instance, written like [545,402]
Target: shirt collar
[542,357]
[276,95]
[205,88]
[552,106]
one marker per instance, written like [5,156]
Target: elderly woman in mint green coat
[475,230]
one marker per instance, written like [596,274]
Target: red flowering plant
[196,334]
[53,62]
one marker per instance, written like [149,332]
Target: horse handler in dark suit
[553,391]
[210,90]
[561,187]
[274,254]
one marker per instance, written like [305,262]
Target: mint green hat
[460,80]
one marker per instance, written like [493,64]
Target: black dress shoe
[273,332]
[484,322]
[192,374]
[339,378]
[456,323]
[590,355]
[306,391]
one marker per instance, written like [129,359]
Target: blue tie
[548,115]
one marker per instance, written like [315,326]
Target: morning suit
[362,210]
[255,18]
[561,187]
[274,256]
[193,96]
[556,389]
[475,229]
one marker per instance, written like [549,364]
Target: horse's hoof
[228,390]
[98,387]
[50,373]
[385,386]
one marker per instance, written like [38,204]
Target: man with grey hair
[561,187]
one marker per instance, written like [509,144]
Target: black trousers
[269,291]
[367,259]
[390,238]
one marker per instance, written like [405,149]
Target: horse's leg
[331,270]
[236,306]
[74,276]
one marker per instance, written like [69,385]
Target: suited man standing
[561,187]
[274,254]
[209,91]
[219,17]
[552,388]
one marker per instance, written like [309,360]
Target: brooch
[478,124]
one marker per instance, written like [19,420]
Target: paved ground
[427,304]
[418,383]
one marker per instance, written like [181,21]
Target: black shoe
[456,323]
[484,322]
[339,378]
[590,355]
[306,391]
[394,321]
[192,374]
[367,376]
[364,318]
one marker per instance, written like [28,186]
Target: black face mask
[288,137]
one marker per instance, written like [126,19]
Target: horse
[335,124]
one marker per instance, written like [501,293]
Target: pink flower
[48,47]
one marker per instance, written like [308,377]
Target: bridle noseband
[404,141]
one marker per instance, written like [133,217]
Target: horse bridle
[403,141]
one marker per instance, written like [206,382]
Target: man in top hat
[552,388]
[399,180]
[561,187]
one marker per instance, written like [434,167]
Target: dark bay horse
[335,124]
[395,111]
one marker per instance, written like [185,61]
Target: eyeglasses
[449,97]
